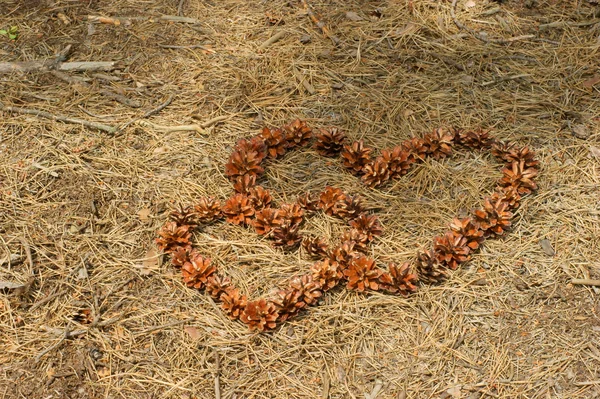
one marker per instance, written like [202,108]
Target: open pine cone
[260,198]
[243,184]
[308,202]
[275,141]
[362,274]
[266,220]
[509,153]
[286,236]
[398,161]
[348,207]
[197,271]
[255,144]
[316,247]
[309,289]
[217,285]
[476,139]
[184,216]
[243,162]
[416,149]
[180,256]
[260,315]
[326,274]
[355,156]
[330,142]
[238,209]
[357,238]
[288,303]
[292,214]
[439,143]
[233,302]
[429,269]
[470,230]
[330,198]
[451,249]
[297,133]
[519,176]
[509,195]
[368,225]
[494,218]
[399,280]
[171,236]
[376,173]
[343,254]
[208,209]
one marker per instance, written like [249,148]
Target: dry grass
[508,325]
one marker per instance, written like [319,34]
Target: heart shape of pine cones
[251,206]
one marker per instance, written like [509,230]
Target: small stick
[585,281]
[448,61]
[196,127]
[304,82]
[201,47]
[276,37]
[37,66]
[561,24]
[148,113]
[217,375]
[46,300]
[59,118]
[118,21]
[52,347]
[505,78]
[180,8]
[27,251]
[320,24]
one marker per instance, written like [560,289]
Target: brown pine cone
[451,249]
[260,315]
[180,256]
[330,142]
[171,237]
[275,141]
[260,198]
[286,236]
[197,271]
[297,133]
[476,139]
[238,209]
[520,177]
[208,209]
[368,225]
[330,198]
[376,173]
[233,302]
[288,303]
[316,247]
[255,144]
[399,280]
[429,269]
[470,230]
[439,143]
[355,156]
[308,202]
[416,149]
[359,240]
[362,274]
[243,184]
[309,289]
[217,285]
[326,274]
[184,216]
[243,162]
[494,218]
[343,254]
[398,160]
[266,220]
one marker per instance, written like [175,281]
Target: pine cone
[266,220]
[260,198]
[451,249]
[184,217]
[243,184]
[217,285]
[330,198]
[316,247]
[330,142]
[468,229]
[429,270]
[357,238]
[520,177]
[238,209]
[255,144]
[416,149]
[326,274]
[399,280]
[180,256]
[243,162]
[233,302]
[197,271]
[509,195]
[439,143]
[308,202]
[368,225]
[260,315]
[297,133]
[494,218]
[348,208]
[343,254]
[275,141]
[292,214]
[398,161]
[509,153]
[355,157]
[288,303]
[286,236]
[171,236]
[476,139]
[376,173]
[362,274]
[208,209]
[309,289]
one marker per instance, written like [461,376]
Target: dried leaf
[595,151]
[352,16]
[193,332]
[591,82]
[454,391]
[547,247]
[581,131]
[144,214]
[150,262]
[470,4]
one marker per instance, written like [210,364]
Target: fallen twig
[320,24]
[127,20]
[52,347]
[562,24]
[59,118]
[46,300]
[277,36]
[303,81]
[448,61]
[200,46]
[217,375]
[148,113]
[39,66]
[200,127]
[585,281]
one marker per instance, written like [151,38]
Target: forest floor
[89,310]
